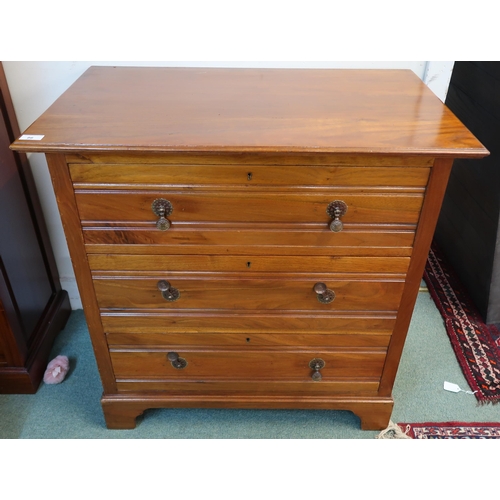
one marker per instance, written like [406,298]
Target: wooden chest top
[249,111]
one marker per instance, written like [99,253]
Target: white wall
[34,86]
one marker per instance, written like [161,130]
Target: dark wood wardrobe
[33,307]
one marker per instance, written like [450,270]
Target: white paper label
[27,137]
[448,386]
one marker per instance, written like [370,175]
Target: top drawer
[138,176]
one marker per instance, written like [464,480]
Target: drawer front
[236,326]
[214,292]
[343,386]
[208,339]
[139,175]
[249,263]
[297,239]
[247,207]
[250,364]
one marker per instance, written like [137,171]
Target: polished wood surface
[298,239]
[161,324]
[427,225]
[165,337]
[287,292]
[250,160]
[367,386]
[250,364]
[249,263]
[251,110]
[121,410]
[71,222]
[188,159]
[245,206]
[137,176]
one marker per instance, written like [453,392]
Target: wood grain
[215,292]
[140,175]
[168,109]
[249,263]
[248,206]
[423,239]
[121,410]
[248,364]
[69,216]
[141,324]
[209,339]
[254,158]
[363,386]
[292,239]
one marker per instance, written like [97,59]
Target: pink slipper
[56,370]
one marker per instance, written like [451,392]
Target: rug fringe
[393,431]
[491,401]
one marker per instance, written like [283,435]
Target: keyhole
[249,176]
[248,339]
[249,264]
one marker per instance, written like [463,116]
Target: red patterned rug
[452,430]
[476,345]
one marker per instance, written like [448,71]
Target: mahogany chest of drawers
[248,238]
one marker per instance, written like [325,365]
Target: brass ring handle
[335,210]
[162,208]
[324,294]
[316,364]
[167,291]
[177,362]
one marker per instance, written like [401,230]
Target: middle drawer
[236,291]
[249,264]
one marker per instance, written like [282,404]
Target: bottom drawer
[230,365]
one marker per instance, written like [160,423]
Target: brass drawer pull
[162,208]
[335,210]
[168,292]
[316,364]
[176,361]
[324,294]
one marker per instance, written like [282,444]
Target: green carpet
[71,410]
